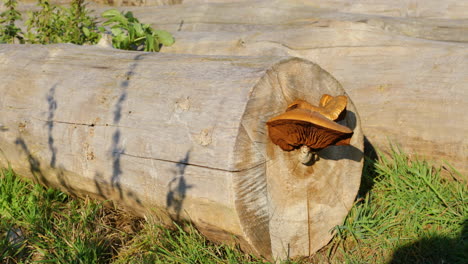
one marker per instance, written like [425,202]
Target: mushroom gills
[304,124]
[291,134]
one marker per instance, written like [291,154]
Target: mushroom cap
[325,99]
[298,127]
[303,105]
[332,107]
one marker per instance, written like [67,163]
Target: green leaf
[138,29]
[130,17]
[119,38]
[149,44]
[156,45]
[86,31]
[131,33]
[116,31]
[126,43]
[164,37]
[121,21]
[111,13]
[114,16]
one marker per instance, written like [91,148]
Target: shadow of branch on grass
[435,250]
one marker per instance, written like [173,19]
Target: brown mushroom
[332,107]
[325,99]
[298,127]
[310,127]
[301,104]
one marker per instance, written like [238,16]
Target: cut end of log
[307,189]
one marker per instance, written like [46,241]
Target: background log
[179,137]
[448,9]
[404,64]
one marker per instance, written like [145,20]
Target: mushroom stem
[305,154]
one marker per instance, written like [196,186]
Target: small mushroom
[331,107]
[334,106]
[309,127]
[301,104]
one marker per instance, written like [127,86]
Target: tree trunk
[405,71]
[179,137]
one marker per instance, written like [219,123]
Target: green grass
[407,212]
[155,244]
[52,227]
[411,215]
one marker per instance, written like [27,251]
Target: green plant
[129,34]
[412,214]
[184,244]
[54,24]
[40,224]
[9,32]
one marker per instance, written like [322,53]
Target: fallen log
[181,137]
[434,9]
[406,75]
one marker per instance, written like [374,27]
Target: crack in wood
[325,47]
[77,124]
[143,157]
[191,164]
